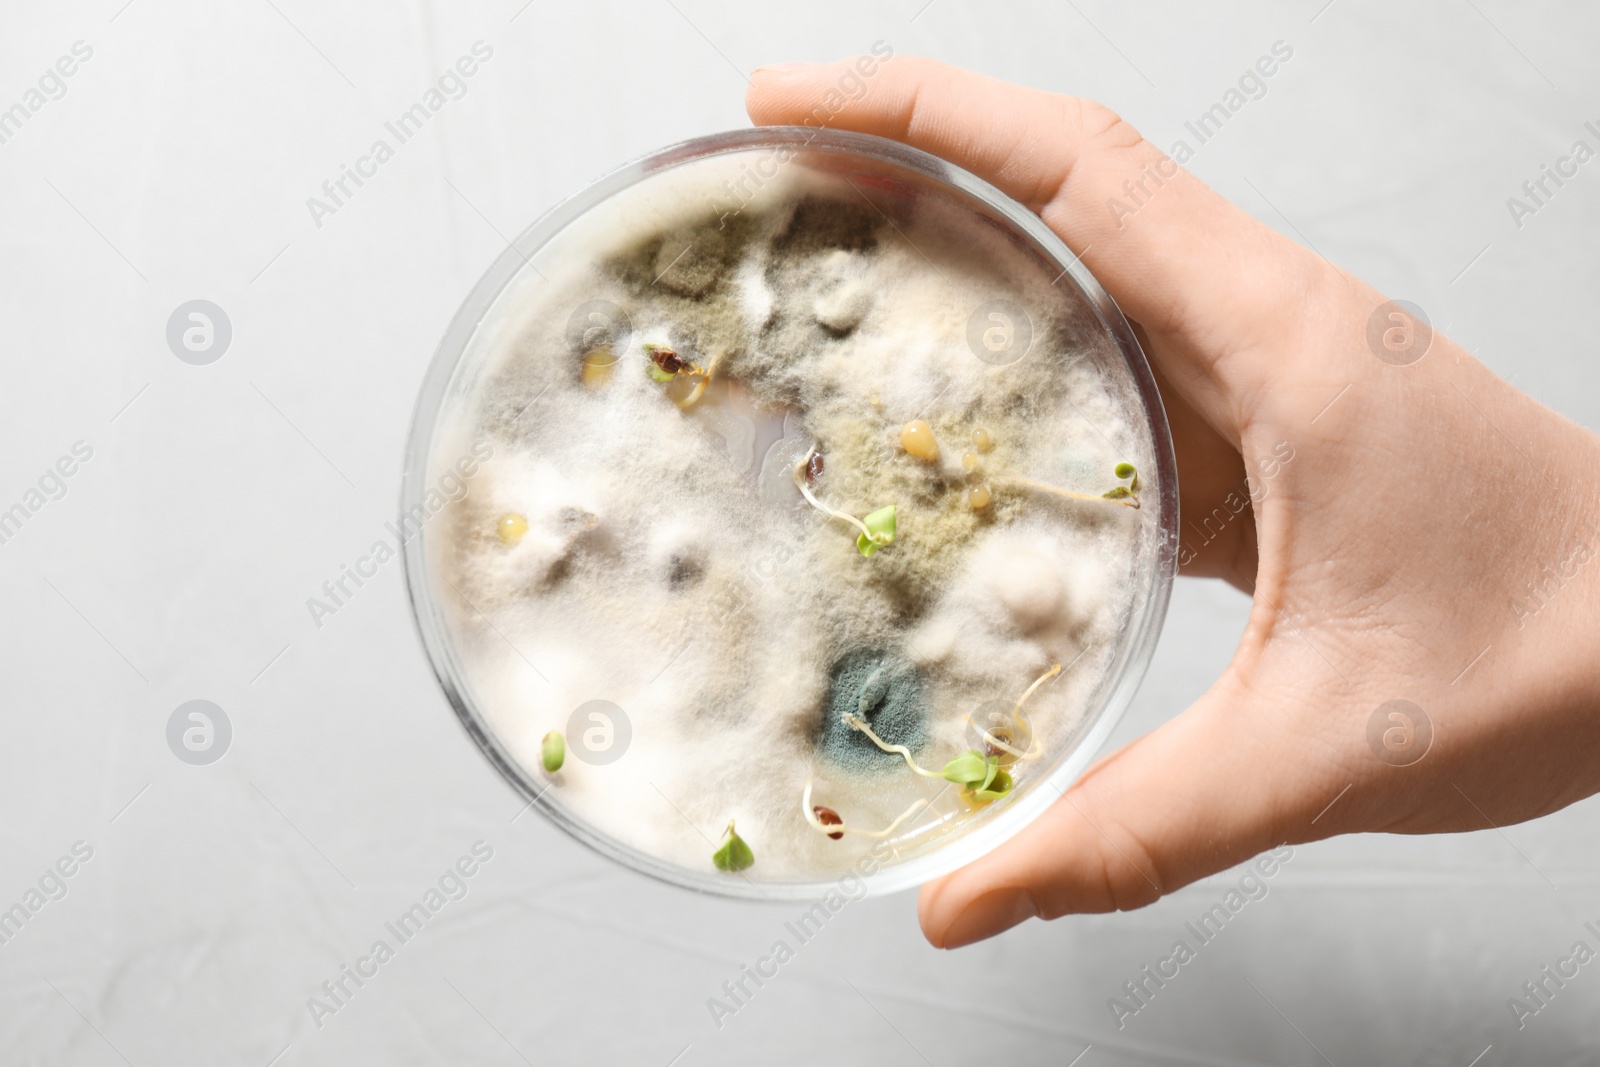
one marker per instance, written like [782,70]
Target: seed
[981,439]
[666,358]
[1002,733]
[969,461]
[916,437]
[829,817]
[597,367]
[978,497]
[813,468]
[511,528]
[553,751]
[1125,470]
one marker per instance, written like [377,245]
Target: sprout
[829,817]
[1019,723]
[855,723]
[880,532]
[836,830]
[969,769]
[881,524]
[997,787]
[553,751]
[666,365]
[733,854]
[1126,495]
[981,777]
[699,389]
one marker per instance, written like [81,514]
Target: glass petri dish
[607,531]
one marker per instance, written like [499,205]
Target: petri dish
[811,493]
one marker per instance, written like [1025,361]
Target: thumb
[1174,254]
[1205,791]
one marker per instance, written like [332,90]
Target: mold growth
[783,516]
[884,690]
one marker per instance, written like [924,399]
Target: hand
[1427,512]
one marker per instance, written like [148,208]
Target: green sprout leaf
[1125,470]
[996,787]
[1121,492]
[980,778]
[733,855]
[969,769]
[993,772]
[553,751]
[882,525]
[657,374]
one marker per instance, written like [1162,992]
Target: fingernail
[991,914]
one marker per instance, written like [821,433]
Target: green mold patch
[887,693]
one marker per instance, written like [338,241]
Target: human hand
[1428,539]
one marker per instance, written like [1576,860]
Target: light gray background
[220,497]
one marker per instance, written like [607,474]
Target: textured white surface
[178,564]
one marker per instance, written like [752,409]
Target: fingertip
[775,90]
[930,916]
[954,923]
[955,911]
[819,94]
